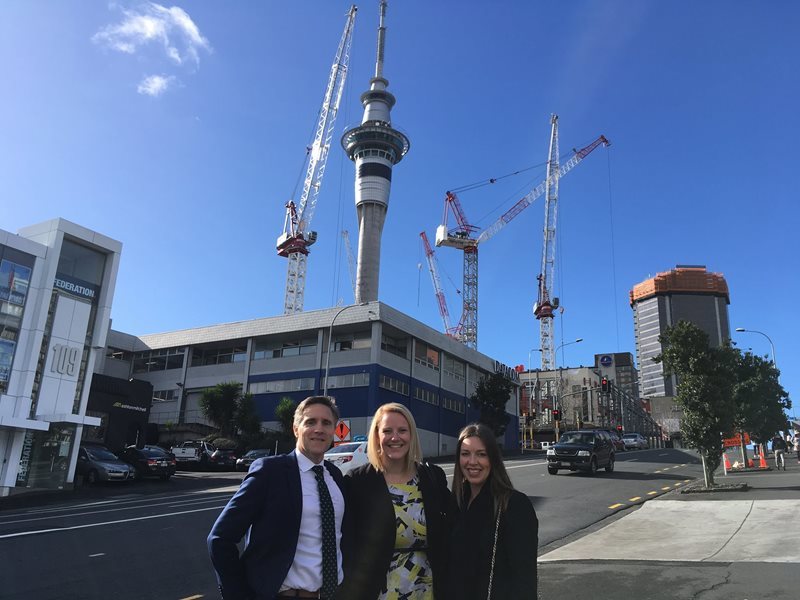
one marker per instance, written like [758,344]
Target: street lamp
[330,342]
[579,340]
[743,330]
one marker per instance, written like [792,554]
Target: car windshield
[629,436]
[577,438]
[100,454]
[341,448]
[257,453]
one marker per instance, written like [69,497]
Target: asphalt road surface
[147,539]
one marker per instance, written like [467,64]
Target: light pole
[561,382]
[330,342]
[743,330]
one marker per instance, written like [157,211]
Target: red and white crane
[297,236]
[463,237]
[437,286]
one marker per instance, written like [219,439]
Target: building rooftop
[683,279]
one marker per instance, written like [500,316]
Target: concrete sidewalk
[732,545]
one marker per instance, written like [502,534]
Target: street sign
[342,431]
[736,441]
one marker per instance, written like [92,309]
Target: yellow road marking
[666,488]
[616,505]
[634,499]
[651,493]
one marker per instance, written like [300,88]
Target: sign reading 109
[65,360]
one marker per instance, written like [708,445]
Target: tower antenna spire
[381,40]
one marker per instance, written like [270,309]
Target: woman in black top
[482,489]
[396,531]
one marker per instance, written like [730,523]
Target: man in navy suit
[278,506]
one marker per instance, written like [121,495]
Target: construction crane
[437,286]
[297,236]
[462,237]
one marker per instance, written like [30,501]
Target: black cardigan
[515,559]
[370,530]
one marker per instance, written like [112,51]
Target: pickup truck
[194,453]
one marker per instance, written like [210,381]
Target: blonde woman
[396,521]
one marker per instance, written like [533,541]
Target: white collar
[305,463]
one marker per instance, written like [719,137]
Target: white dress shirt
[306,570]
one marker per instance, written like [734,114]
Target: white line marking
[96,555]
[38,531]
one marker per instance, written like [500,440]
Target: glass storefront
[45,457]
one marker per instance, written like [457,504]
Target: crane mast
[437,286]
[544,307]
[296,238]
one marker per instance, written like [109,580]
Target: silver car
[635,441]
[98,463]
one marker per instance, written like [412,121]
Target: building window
[426,396]
[352,341]
[281,385]
[426,355]
[453,367]
[396,346]
[393,385]
[165,395]
[348,380]
[281,348]
[218,356]
[153,360]
[453,404]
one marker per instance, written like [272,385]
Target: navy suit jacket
[267,507]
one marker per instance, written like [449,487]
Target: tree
[490,397]
[760,398]
[219,405]
[706,378]
[284,412]
[248,423]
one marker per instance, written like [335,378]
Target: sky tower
[375,147]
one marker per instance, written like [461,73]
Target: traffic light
[556,415]
[619,428]
[605,385]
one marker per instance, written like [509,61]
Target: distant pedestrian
[779,448]
[797,444]
[494,541]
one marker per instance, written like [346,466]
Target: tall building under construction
[686,293]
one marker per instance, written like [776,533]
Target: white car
[635,440]
[348,456]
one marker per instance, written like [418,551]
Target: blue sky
[180,131]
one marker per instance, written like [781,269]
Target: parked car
[243,463]
[583,450]
[636,441]
[348,456]
[150,461]
[194,453]
[98,463]
[616,439]
[222,460]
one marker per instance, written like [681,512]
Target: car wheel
[552,470]
[593,466]
[91,476]
[610,465]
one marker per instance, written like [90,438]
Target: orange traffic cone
[763,462]
[727,461]
[749,463]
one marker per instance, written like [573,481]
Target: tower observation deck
[375,147]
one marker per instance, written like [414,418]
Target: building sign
[25,458]
[129,407]
[14,282]
[76,287]
[66,359]
[506,371]
[606,360]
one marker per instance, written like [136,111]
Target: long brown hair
[498,481]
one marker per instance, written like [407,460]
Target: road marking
[683,465]
[195,597]
[664,454]
[651,493]
[659,471]
[533,464]
[615,506]
[677,484]
[634,499]
[132,519]
[96,555]
[632,460]
[666,488]
[686,480]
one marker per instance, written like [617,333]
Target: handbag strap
[494,553]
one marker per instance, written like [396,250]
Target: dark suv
[584,450]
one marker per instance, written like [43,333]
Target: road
[147,540]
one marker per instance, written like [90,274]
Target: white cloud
[155,85]
[172,28]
